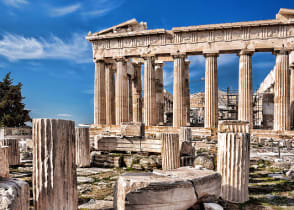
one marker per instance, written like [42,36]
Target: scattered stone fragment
[212,206]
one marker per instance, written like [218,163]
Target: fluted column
[187,90]
[99,93]
[110,95]
[179,107]
[137,94]
[13,150]
[4,162]
[245,107]
[159,93]
[291,63]
[82,147]
[170,151]
[130,107]
[211,91]
[149,92]
[121,92]
[233,159]
[54,165]
[282,92]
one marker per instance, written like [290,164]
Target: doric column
[121,92]
[13,150]
[170,151]
[130,92]
[211,91]
[187,90]
[99,93]
[4,162]
[82,147]
[159,93]
[137,93]
[179,107]
[245,108]
[110,95]
[291,63]
[54,164]
[149,92]
[281,90]
[233,159]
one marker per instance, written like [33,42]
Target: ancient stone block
[170,151]
[233,159]
[4,163]
[82,147]
[14,194]
[132,129]
[13,151]
[54,167]
[176,189]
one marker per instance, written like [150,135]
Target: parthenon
[124,48]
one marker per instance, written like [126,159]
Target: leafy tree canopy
[12,110]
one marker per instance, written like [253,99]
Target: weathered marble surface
[176,189]
[54,167]
[4,163]
[170,151]
[82,147]
[14,194]
[13,151]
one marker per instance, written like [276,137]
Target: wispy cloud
[64,115]
[16,47]
[64,10]
[15,3]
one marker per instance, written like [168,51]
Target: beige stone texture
[121,92]
[170,151]
[282,92]
[177,189]
[13,150]
[245,105]
[110,94]
[54,167]
[159,93]
[187,90]
[233,160]
[4,162]
[149,92]
[130,99]
[132,129]
[99,93]
[82,147]
[179,92]
[211,91]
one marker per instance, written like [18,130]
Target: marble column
[99,93]
[179,107]
[13,150]
[110,95]
[82,147]
[4,162]
[159,93]
[187,90]
[291,63]
[233,159]
[121,92]
[149,92]
[130,97]
[245,106]
[282,92]
[54,164]
[170,151]
[211,91]
[137,93]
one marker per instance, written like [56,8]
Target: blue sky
[42,44]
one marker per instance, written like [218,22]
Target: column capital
[120,59]
[148,56]
[281,51]
[187,62]
[159,63]
[210,53]
[97,60]
[246,52]
[179,55]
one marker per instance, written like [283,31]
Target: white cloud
[64,115]
[16,47]
[64,10]
[15,3]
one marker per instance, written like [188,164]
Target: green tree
[12,110]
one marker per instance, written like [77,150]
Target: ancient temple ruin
[120,51]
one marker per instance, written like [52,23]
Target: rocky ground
[269,187]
